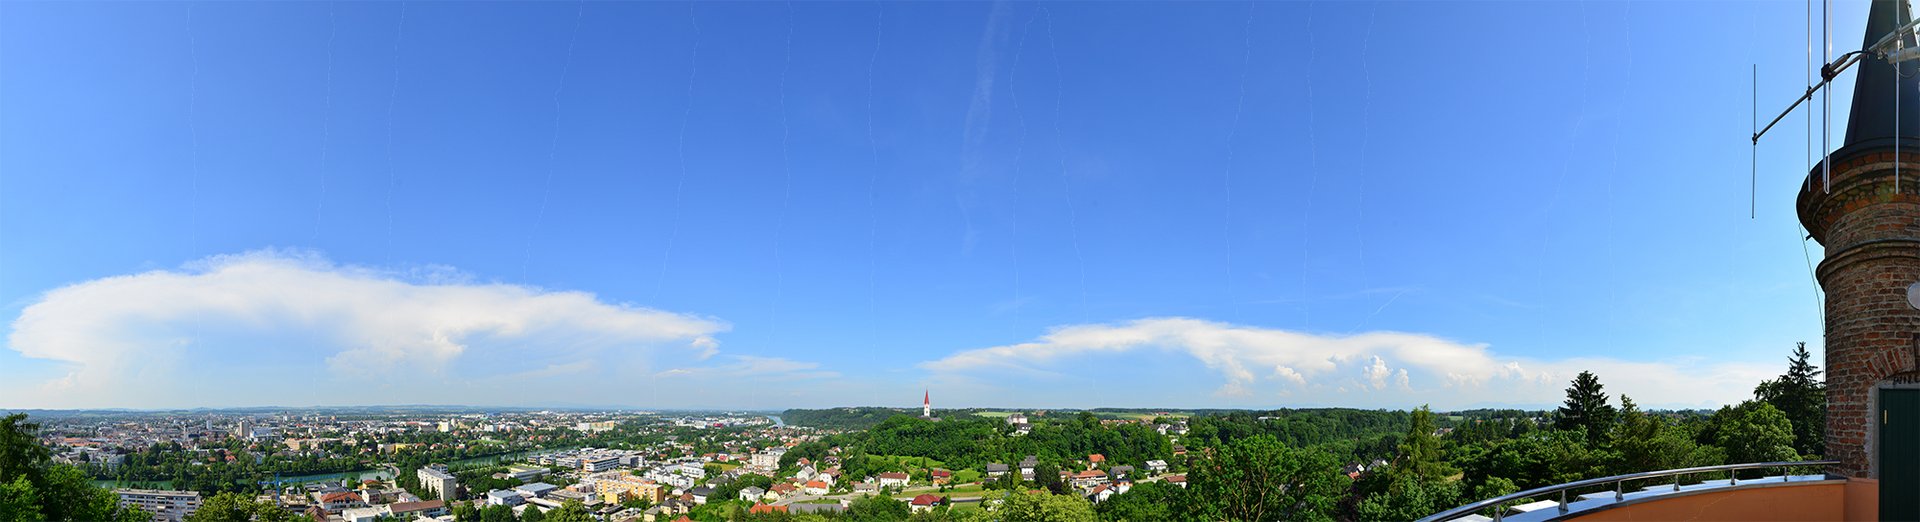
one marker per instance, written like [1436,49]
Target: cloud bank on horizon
[244,329]
[1365,369]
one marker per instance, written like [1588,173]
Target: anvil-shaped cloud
[135,339]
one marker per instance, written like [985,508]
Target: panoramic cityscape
[652,261]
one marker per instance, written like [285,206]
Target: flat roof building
[166,505]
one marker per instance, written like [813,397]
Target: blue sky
[812,204]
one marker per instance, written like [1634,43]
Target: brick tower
[1871,232]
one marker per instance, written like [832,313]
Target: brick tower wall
[1872,238]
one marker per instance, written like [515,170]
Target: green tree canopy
[1586,407]
[1044,507]
[1257,479]
[1801,395]
[235,507]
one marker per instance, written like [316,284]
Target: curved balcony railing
[1618,482]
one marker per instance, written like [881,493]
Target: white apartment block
[166,505]
[438,482]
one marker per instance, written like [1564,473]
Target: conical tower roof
[1873,117]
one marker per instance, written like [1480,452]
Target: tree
[1420,448]
[20,454]
[877,508]
[19,502]
[1752,432]
[1410,497]
[496,514]
[1146,502]
[1586,408]
[1643,442]
[1802,396]
[235,507]
[532,514]
[1044,507]
[570,511]
[1258,478]
[1047,476]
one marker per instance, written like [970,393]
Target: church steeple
[1871,122]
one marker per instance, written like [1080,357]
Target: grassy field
[906,462]
[995,414]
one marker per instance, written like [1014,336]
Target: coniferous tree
[1801,395]
[1420,449]
[1586,408]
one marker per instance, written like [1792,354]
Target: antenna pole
[1753,154]
[1826,99]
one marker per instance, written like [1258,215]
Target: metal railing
[1619,491]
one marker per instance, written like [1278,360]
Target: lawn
[966,475]
[906,462]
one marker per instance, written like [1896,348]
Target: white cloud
[1377,373]
[143,338]
[1394,369]
[1289,375]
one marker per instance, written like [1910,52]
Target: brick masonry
[1871,233]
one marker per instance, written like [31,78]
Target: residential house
[752,493]
[1095,460]
[894,479]
[1026,467]
[1121,472]
[766,509]
[924,502]
[815,487]
[1089,478]
[339,501]
[1177,480]
[781,490]
[866,487]
[700,494]
[995,470]
[941,476]
[1101,493]
[1156,466]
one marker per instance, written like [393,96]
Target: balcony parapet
[1563,504]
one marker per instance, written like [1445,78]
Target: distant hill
[855,418]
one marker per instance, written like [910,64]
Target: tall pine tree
[1802,395]
[1586,408]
